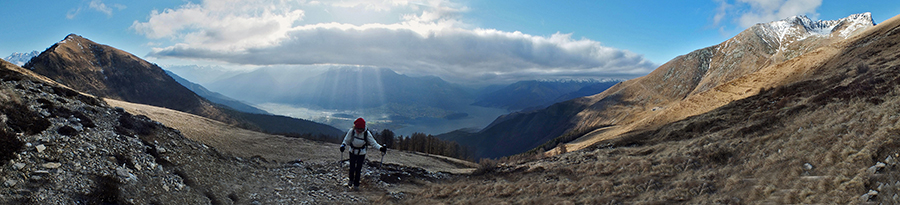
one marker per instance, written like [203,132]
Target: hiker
[359,138]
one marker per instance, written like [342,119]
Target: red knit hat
[359,123]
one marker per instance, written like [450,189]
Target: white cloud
[432,41]
[96,5]
[101,7]
[229,25]
[73,13]
[750,12]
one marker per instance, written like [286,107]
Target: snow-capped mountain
[21,58]
[797,28]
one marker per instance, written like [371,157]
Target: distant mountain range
[534,94]
[665,95]
[216,97]
[354,88]
[345,88]
[21,58]
[105,71]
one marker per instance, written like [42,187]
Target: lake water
[477,118]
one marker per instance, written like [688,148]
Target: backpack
[365,135]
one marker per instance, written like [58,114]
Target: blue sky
[473,41]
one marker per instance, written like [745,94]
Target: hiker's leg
[352,169]
[356,168]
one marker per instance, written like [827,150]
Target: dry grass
[679,163]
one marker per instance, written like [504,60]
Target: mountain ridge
[107,72]
[626,106]
[215,97]
[531,94]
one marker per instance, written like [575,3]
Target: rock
[808,166]
[51,165]
[875,168]
[868,196]
[40,148]
[19,166]
[11,182]
[166,188]
[123,172]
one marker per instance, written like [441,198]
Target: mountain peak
[71,37]
[801,26]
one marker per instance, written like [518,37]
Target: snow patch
[783,33]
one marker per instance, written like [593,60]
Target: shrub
[67,131]
[485,166]
[20,119]
[9,145]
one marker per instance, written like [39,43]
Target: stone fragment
[19,166]
[40,148]
[124,172]
[875,168]
[51,165]
[11,182]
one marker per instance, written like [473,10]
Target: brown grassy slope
[733,75]
[822,139]
[247,144]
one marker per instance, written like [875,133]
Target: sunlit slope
[703,80]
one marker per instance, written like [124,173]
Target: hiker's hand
[342,148]
[383,149]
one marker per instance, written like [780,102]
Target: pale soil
[247,144]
